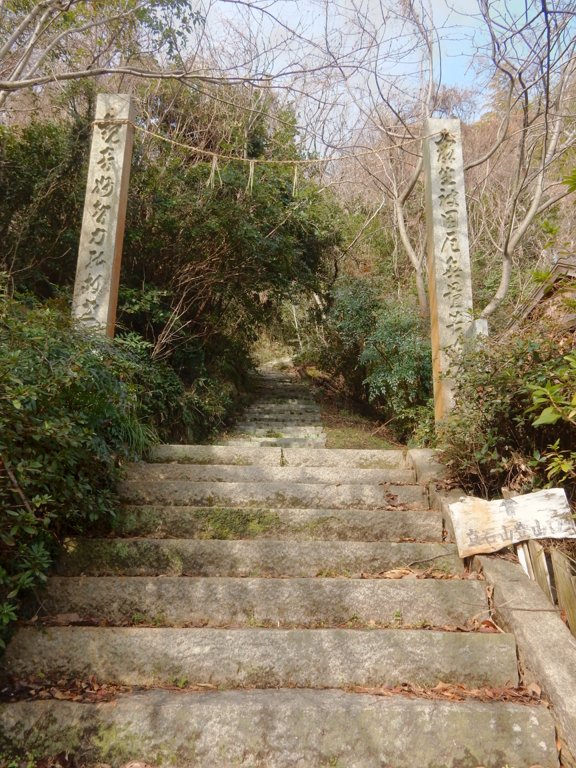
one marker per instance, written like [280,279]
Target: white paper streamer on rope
[213,171]
[250,184]
[295,181]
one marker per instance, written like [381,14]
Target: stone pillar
[450,283]
[101,238]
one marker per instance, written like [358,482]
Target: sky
[461,24]
[457,22]
[336,61]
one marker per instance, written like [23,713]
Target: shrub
[71,406]
[554,402]
[490,439]
[380,350]
[42,186]
[398,365]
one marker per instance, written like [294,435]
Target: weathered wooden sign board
[482,526]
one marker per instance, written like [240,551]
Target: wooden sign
[482,526]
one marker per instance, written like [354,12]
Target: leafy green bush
[398,364]
[490,439]
[555,403]
[71,406]
[380,351]
[42,181]
[349,322]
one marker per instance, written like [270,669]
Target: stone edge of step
[265,658]
[322,713]
[544,642]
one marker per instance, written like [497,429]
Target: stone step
[279,387]
[214,602]
[274,494]
[216,454]
[278,442]
[274,410]
[287,729]
[282,430]
[345,457]
[282,417]
[261,557]
[280,411]
[300,401]
[294,457]
[274,377]
[263,658]
[295,524]
[278,391]
[279,426]
[265,474]
[276,422]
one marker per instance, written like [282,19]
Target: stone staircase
[272,606]
[284,414]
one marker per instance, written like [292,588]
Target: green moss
[134,557]
[378,464]
[321,527]
[201,523]
[133,520]
[223,523]
[332,573]
[119,746]
[354,437]
[44,739]
[236,461]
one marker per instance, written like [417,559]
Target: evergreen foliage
[378,348]
[498,434]
[42,172]
[71,406]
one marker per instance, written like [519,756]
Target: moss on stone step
[206,523]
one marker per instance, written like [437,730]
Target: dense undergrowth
[513,425]
[73,406]
[377,350]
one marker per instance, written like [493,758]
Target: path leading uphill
[283,415]
[270,603]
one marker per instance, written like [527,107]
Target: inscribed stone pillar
[450,284]
[100,251]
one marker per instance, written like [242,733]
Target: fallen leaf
[488,626]
[442,687]
[63,619]
[534,689]
[396,573]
